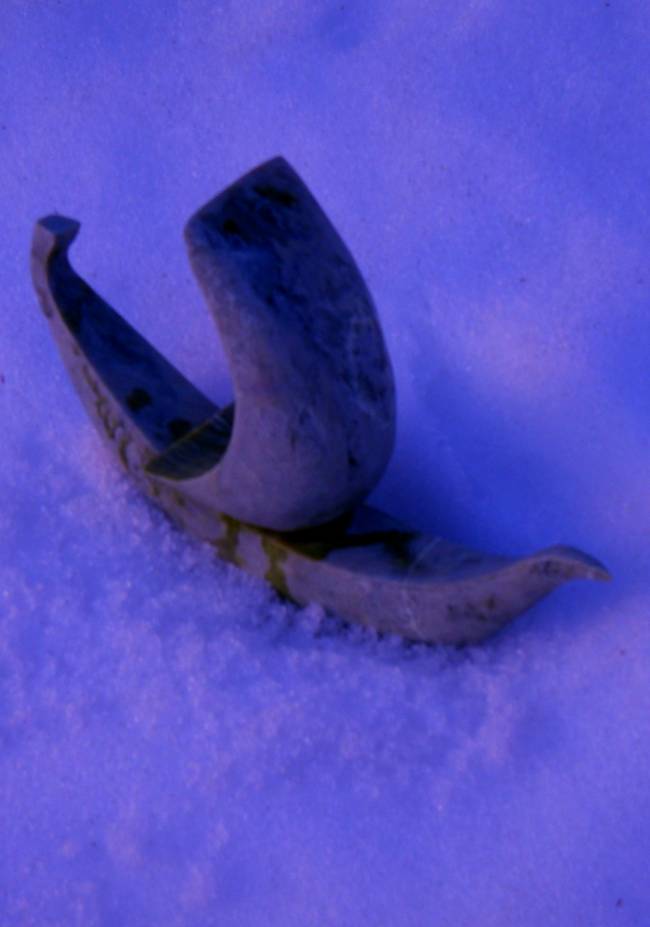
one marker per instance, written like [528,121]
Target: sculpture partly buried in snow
[276,482]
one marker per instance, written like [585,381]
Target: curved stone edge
[127,387]
[445,602]
[377,579]
[312,380]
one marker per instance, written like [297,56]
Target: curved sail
[314,420]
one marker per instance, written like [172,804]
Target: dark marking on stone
[464,611]
[226,545]
[319,543]
[268,215]
[178,427]
[230,227]
[122,452]
[103,406]
[282,197]
[549,568]
[137,399]
[104,416]
[352,460]
[276,555]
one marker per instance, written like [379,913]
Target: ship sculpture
[276,481]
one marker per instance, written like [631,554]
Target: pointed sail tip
[194,231]
[275,161]
[601,573]
[570,563]
[593,569]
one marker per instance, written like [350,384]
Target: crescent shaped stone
[363,565]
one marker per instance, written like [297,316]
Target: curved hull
[365,566]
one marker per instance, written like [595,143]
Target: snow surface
[179,747]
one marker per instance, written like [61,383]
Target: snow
[178,746]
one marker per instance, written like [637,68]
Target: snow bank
[178,746]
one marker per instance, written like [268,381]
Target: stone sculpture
[276,481]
